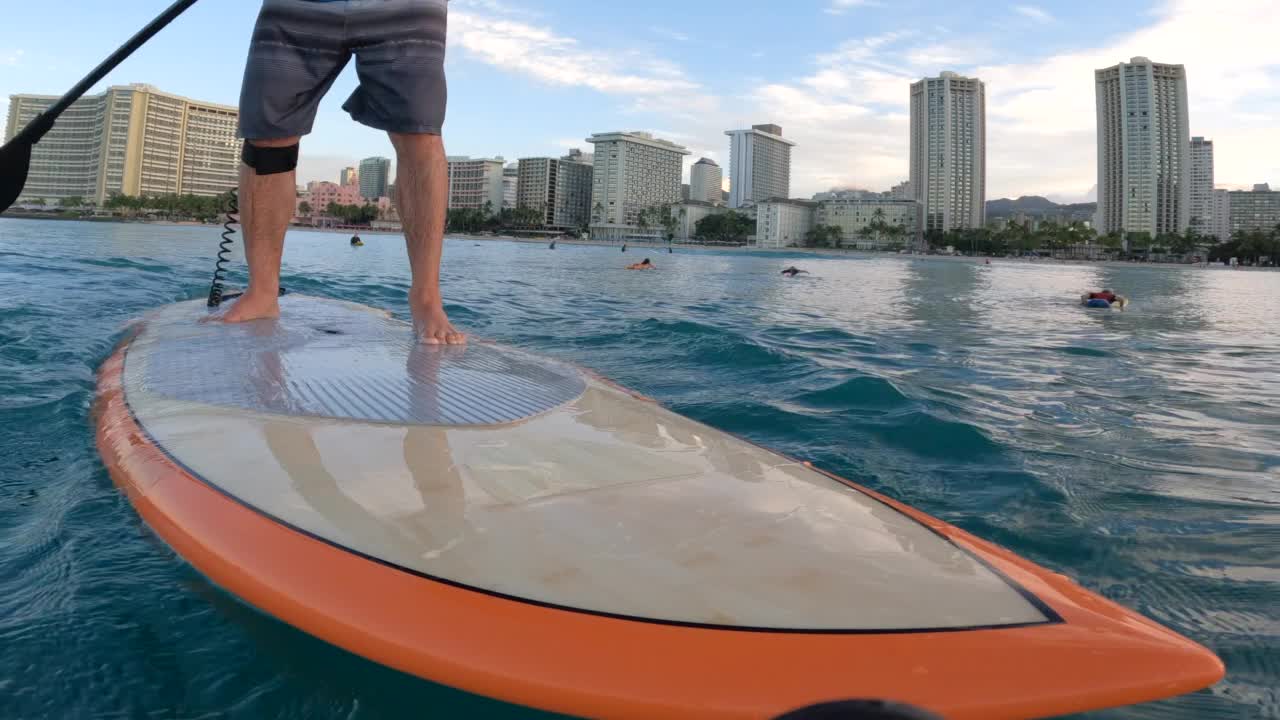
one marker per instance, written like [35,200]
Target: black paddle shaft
[36,129]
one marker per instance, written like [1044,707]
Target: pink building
[320,193]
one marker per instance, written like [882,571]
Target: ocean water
[1137,452]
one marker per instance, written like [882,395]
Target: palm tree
[642,220]
[304,208]
[668,221]
[865,232]
[878,224]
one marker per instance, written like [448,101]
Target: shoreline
[818,252]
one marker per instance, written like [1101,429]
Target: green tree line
[726,227]
[170,206]
[1250,246]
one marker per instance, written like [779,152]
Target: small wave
[856,393]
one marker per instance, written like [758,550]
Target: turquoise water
[1137,452]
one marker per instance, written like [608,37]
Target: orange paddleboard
[523,529]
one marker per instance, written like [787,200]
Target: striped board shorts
[300,46]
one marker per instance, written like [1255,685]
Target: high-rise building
[759,165]
[1144,147]
[902,191]
[949,151]
[1221,228]
[632,172]
[706,181]
[130,140]
[348,176]
[560,189]
[374,176]
[510,185]
[476,183]
[1257,209]
[783,223]
[1201,191]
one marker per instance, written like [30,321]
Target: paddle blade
[15,161]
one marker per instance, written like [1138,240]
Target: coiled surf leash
[217,288]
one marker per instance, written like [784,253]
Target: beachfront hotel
[1252,210]
[949,151]
[558,188]
[759,165]
[1144,148]
[475,183]
[782,223]
[130,140]
[856,217]
[632,172]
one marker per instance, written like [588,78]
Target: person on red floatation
[1107,295]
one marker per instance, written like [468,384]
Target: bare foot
[432,325]
[252,307]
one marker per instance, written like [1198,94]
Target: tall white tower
[759,165]
[1201,214]
[706,181]
[949,151]
[1144,148]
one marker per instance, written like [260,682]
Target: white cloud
[540,53]
[10,58]
[840,7]
[1034,13]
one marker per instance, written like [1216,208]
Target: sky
[537,77]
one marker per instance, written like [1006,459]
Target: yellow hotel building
[131,140]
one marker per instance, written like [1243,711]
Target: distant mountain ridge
[1036,205]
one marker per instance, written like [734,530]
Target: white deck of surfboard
[573,493]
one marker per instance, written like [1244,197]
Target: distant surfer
[401,91]
[356,241]
[553,244]
[794,271]
[642,265]
[624,247]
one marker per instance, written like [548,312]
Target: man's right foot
[252,307]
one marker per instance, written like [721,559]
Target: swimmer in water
[642,265]
[1105,294]
[794,271]
[356,241]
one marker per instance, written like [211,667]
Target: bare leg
[422,187]
[266,206]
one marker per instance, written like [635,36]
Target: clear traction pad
[326,358]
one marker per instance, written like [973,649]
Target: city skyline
[833,74]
